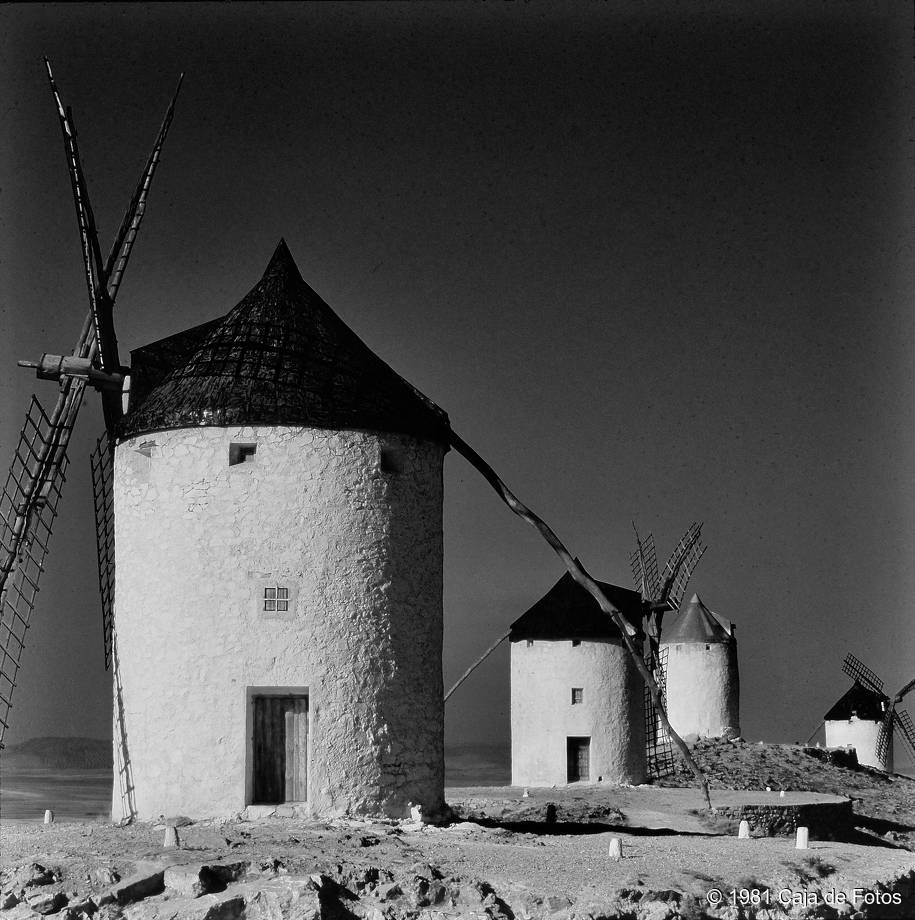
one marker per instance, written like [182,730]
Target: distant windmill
[661,592]
[29,501]
[866,718]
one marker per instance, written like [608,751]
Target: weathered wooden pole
[478,662]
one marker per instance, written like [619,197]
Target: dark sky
[656,266]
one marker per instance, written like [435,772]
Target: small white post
[743,832]
[616,848]
[781,794]
[802,839]
[48,816]
[171,838]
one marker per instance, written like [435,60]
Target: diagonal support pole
[477,663]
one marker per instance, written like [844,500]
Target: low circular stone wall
[826,820]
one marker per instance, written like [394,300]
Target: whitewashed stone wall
[863,736]
[703,691]
[543,716]
[361,549]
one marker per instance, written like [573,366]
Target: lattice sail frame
[28,507]
[680,566]
[905,729]
[659,752]
[858,671]
[644,562]
[102,462]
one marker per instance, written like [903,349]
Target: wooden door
[280,749]
[578,758]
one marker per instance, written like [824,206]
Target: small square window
[578,695]
[276,600]
[390,461]
[241,453]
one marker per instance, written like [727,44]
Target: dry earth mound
[884,803]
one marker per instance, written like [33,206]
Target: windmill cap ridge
[568,611]
[280,356]
[697,624]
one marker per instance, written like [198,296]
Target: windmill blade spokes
[884,734]
[127,233]
[856,670]
[685,572]
[96,282]
[644,563]
[906,730]
[906,689]
[28,503]
[678,557]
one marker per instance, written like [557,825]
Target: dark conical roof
[698,624]
[858,701]
[568,611]
[280,357]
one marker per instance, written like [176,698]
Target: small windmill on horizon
[867,719]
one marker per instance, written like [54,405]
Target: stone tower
[278,532]
[576,697]
[856,720]
[703,687]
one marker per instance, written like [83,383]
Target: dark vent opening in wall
[390,461]
[241,453]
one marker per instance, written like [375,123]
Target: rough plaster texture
[360,549]
[703,689]
[543,716]
[862,735]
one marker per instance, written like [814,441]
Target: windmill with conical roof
[295,482]
[703,683]
[271,492]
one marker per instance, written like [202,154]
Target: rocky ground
[506,855]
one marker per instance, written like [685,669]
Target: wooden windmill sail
[896,722]
[661,591]
[30,498]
